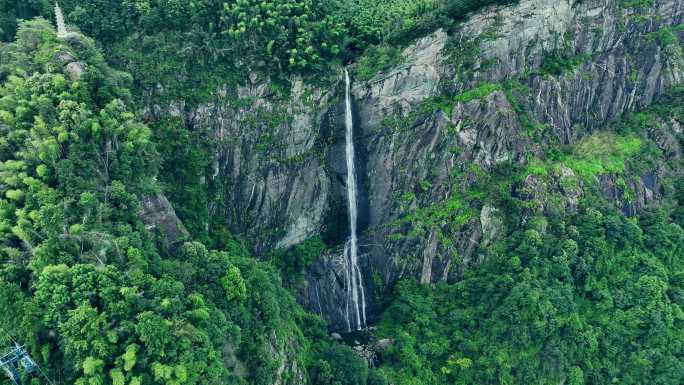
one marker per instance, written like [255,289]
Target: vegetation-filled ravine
[192,192]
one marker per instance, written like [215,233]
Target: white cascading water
[356,299]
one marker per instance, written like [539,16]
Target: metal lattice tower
[17,361]
[59,19]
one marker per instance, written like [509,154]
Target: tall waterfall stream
[356,299]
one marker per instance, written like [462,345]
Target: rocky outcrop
[159,216]
[73,68]
[495,90]
[289,370]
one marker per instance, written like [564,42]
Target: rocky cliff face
[519,78]
[269,159]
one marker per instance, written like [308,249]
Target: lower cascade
[355,309]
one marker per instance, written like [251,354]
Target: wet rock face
[571,66]
[325,292]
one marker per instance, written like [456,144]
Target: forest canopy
[182,44]
[84,283]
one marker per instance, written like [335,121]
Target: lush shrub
[339,365]
[295,35]
[293,261]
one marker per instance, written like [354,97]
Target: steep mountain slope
[511,85]
[98,277]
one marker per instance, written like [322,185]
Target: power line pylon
[17,361]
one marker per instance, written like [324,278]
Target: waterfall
[356,299]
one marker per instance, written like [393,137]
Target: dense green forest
[590,295]
[188,46]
